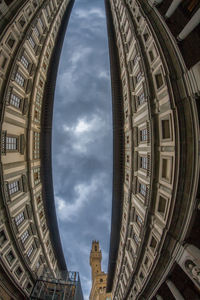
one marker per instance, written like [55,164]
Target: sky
[82,139]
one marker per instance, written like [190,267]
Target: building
[155,74]
[99,278]
[30,244]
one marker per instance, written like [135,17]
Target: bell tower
[95,259]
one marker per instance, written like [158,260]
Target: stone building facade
[31,37]
[155,73]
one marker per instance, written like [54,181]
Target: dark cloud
[82,139]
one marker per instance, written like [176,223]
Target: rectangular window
[19,218]
[143,135]
[15,100]
[36,176]
[10,257]
[162,203]
[13,187]
[165,129]
[3,238]
[135,238]
[41,22]
[141,99]
[153,243]
[36,31]
[19,79]
[138,220]
[11,143]
[143,162]
[38,99]
[11,42]
[166,168]
[159,80]
[36,145]
[142,189]
[18,272]
[30,251]
[138,77]
[32,42]
[24,236]
[24,61]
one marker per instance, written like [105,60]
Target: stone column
[177,295]
[172,8]
[194,21]
[158,297]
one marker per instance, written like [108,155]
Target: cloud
[83,193]
[92,12]
[82,139]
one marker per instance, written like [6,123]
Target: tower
[99,278]
[95,259]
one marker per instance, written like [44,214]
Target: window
[43,228]
[22,22]
[165,129]
[3,60]
[138,77]
[153,243]
[141,99]
[135,238]
[19,79]
[32,42]
[3,238]
[18,272]
[30,251]
[11,42]
[127,177]
[36,31]
[143,135]
[37,115]
[127,159]
[142,189]
[41,22]
[11,143]
[29,287]
[41,214]
[159,80]
[19,218]
[39,199]
[141,276]
[10,257]
[24,236]
[162,203]
[143,162]
[36,145]
[146,36]
[13,187]
[151,55]
[24,61]
[166,168]
[138,220]
[15,100]
[36,176]
[127,139]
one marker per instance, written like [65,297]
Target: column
[177,295]
[194,21]
[172,8]
[158,297]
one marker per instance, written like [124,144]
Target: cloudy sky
[82,139]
